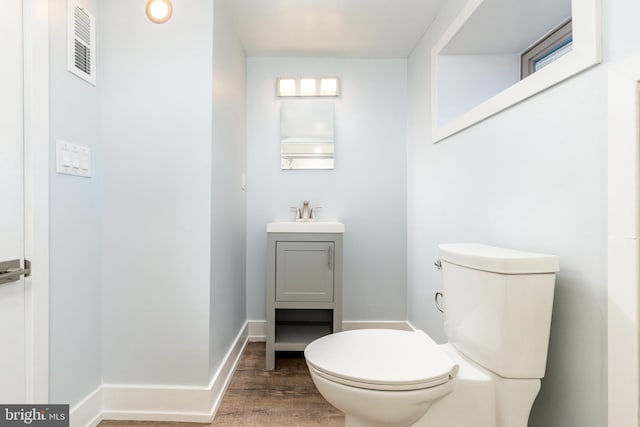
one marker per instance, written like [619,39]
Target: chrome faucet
[305,211]
[306,214]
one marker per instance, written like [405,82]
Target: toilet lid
[381,359]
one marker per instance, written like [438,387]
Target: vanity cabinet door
[304,271]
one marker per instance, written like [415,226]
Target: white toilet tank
[497,306]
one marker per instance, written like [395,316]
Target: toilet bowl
[380,377]
[497,308]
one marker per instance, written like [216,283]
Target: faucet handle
[312,215]
[298,212]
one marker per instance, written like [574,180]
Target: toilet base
[488,399]
[378,408]
[351,421]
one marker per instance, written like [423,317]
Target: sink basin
[305,227]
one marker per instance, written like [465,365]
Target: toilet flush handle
[437,298]
[438,295]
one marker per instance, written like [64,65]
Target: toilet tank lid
[497,260]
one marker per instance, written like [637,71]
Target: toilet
[497,315]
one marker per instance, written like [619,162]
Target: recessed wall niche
[476,62]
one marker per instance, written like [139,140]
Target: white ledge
[305,227]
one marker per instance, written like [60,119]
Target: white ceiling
[337,28]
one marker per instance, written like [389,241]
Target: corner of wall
[197,404]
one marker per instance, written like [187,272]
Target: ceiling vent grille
[81,42]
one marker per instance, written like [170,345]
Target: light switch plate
[72,159]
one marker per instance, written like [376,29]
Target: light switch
[75,160]
[66,158]
[72,159]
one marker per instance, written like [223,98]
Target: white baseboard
[257,327]
[156,403]
[197,404]
[88,412]
[160,403]
[257,330]
[222,378]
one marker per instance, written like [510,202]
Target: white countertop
[305,227]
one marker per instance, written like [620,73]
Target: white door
[12,295]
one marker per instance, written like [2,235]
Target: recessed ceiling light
[159,11]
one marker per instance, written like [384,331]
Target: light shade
[328,86]
[159,11]
[287,87]
[308,87]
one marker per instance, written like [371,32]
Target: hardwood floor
[255,397]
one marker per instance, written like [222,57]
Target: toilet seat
[381,359]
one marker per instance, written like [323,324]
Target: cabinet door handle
[330,257]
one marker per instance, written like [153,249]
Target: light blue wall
[142,292]
[75,228]
[466,81]
[228,207]
[532,178]
[155,86]
[366,190]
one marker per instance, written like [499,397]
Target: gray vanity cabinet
[304,271]
[304,290]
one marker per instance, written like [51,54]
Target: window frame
[555,40]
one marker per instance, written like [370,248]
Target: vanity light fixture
[307,86]
[159,11]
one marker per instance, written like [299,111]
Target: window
[548,49]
